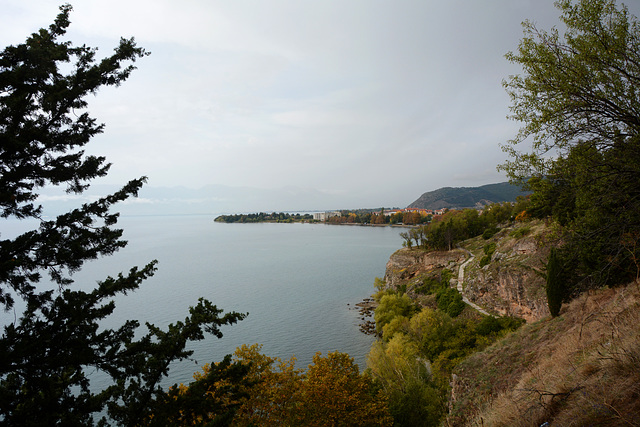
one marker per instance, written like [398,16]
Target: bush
[392,306]
[485,260]
[450,301]
[489,249]
[519,233]
[493,325]
[489,232]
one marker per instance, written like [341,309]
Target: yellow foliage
[276,388]
[396,362]
[397,325]
[332,392]
[337,394]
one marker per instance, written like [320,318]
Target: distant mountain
[468,197]
[210,199]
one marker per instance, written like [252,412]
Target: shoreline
[366,309]
[371,225]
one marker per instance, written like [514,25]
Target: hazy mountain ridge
[223,199]
[468,197]
[210,199]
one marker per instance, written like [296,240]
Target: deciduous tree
[335,393]
[579,106]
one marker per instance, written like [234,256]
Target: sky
[362,102]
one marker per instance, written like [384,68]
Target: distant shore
[371,225]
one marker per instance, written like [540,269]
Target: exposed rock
[512,284]
[405,264]
[508,291]
[366,309]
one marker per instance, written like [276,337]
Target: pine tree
[46,353]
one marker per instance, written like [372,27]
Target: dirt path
[461,281]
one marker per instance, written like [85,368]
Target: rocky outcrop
[406,264]
[511,284]
[509,291]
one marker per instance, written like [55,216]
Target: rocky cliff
[508,282]
[406,266]
[511,280]
[580,368]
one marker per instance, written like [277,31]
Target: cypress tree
[554,283]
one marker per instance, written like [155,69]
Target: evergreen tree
[579,105]
[555,292]
[47,352]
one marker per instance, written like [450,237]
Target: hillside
[580,368]
[468,197]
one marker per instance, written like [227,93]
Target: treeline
[444,232]
[582,106]
[420,344]
[378,217]
[265,217]
[253,389]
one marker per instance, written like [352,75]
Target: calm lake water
[298,282]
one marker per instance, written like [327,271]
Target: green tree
[47,353]
[555,292]
[335,393]
[406,378]
[392,306]
[578,102]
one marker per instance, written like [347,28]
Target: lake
[298,282]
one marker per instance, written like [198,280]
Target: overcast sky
[375,100]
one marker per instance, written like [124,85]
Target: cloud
[377,100]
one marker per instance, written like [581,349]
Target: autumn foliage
[332,392]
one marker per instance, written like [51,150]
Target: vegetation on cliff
[580,368]
[445,232]
[579,107]
[425,330]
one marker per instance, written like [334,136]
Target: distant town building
[323,216]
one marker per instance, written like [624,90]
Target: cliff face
[510,284]
[407,265]
[513,282]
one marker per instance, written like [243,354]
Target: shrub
[392,306]
[450,301]
[489,249]
[489,232]
[519,233]
[523,216]
[485,260]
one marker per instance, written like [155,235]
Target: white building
[323,216]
